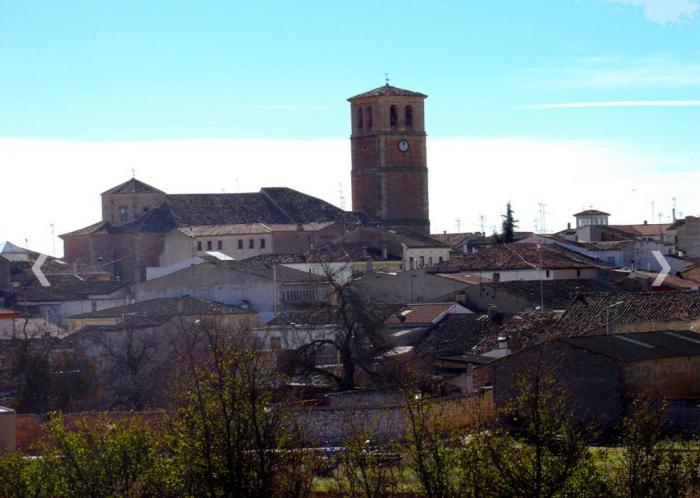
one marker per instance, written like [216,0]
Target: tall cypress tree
[509,225]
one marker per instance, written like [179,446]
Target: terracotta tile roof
[328,315]
[166,307]
[392,238]
[266,269]
[387,91]
[456,239]
[592,212]
[671,280]
[519,256]
[521,330]
[67,287]
[271,206]
[420,314]
[558,294]
[456,334]
[643,230]
[133,186]
[94,228]
[324,255]
[587,314]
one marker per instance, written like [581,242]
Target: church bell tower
[389,163]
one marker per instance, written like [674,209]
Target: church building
[389,161]
[143,227]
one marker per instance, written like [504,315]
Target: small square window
[123,213]
[209,245]
[251,244]
[220,245]
[199,245]
[240,243]
[262,243]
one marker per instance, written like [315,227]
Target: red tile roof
[388,91]
[587,313]
[644,230]
[520,256]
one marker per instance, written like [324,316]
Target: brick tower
[389,165]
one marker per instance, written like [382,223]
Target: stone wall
[384,422]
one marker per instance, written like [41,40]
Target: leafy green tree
[98,456]
[650,466]
[365,471]
[229,436]
[545,449]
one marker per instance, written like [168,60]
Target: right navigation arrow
[665,269]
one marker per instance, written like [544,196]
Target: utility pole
[482,218]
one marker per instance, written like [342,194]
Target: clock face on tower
[403,145]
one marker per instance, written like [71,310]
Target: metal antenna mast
[342,195]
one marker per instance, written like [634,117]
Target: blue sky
[154,71]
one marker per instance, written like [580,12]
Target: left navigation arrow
[36,269]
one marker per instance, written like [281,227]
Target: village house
[516,296]
[684,235]
[469,242]
[603,374]
[414,249]
[523,261]
[409,286]
[268,289]
[155,312]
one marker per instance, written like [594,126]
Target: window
[220,245]
[496,277]
[578,272]
[300,296]
[547,273]
[430,261]
[262,243]
[359,118]
[240,243]
[123,213]
[369,117]
[422,261]
[409,115]
[251,244]
[393,116]
[93,305]
[209,245]
[199,245]
[275,343]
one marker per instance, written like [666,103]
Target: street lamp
[607,315]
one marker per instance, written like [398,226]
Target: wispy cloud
[293,107]
[656,71]
[664,11]
[617,103]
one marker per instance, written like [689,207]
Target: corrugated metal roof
[641,346]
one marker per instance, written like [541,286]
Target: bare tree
[356,341]
[134,363]
[43,376]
